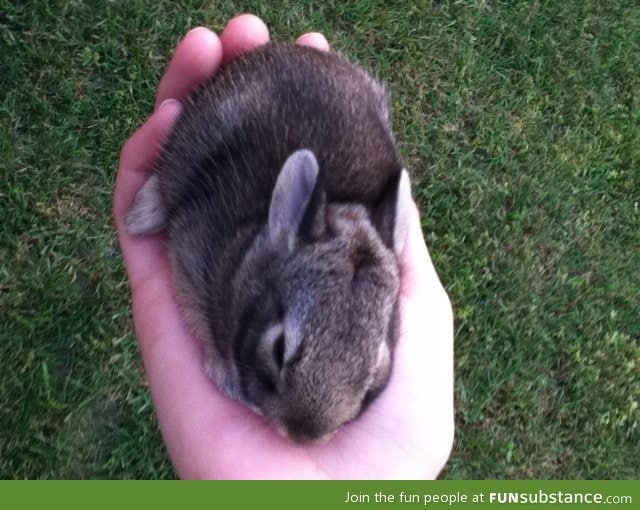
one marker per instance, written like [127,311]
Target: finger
[418,271]
[143,255]
[242,33]
[173,362]
[139,154]
[195,59]
[314,40]
[425,348]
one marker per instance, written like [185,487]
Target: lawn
[520,123]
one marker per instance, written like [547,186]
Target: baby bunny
[285,207]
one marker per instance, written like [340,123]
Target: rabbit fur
[285,206]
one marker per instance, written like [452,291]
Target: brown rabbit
[285,206]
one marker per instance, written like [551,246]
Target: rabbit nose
[306,431]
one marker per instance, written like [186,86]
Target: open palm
[406,433]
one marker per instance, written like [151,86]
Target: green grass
[520,122]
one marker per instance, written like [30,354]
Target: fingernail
[167,102]
[315,40]
[197,29]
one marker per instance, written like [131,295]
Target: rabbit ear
[404,210]
[297,204]
[147,214]
[391,215]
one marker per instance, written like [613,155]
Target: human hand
[406,433]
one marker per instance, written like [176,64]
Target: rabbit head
[313,306]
